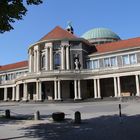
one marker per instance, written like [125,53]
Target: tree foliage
[12,10]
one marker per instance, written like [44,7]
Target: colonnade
[117,87]
[58,89]
[38,91]
[6,93]
[35,57]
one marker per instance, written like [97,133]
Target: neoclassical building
[62,66]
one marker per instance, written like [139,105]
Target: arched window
[57,60]
[43,61]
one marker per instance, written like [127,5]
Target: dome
[100,33]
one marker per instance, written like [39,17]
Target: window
[92,64]
[106,62]
[3,77]
[57,60]
[113,61]
[7,77]
[43,61]
[129,59]
[132,58]
[110,62]
[95,64]
[89,64]
[125,59]
[56,45]
[13,76]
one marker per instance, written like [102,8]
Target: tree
[12,10]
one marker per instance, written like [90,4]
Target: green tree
[12,10]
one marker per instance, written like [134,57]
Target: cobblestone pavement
[100,121]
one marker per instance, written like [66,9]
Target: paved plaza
[100,121]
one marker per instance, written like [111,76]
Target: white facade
[70,68]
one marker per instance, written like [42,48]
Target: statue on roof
[69,27]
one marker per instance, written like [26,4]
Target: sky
[121,16]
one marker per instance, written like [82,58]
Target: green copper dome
[100,33]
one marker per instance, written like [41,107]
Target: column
[95,88]
[119,88]
[79,89]
[30,61]
[55,90]
[38,60]
[62,58]
[17,93]
[13,94]
[34,61]
[5,94]
[98,88]
[59,91]
[67,58]
[137,85]
[25,94]
[37,90]
[75,89]
[115,87]
[47,58]
[51,58]
[40,91]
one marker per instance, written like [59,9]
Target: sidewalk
[100,121]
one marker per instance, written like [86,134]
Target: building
[63,66]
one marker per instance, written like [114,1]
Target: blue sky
[121,16]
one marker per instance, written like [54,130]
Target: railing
[72,72]
[7,82]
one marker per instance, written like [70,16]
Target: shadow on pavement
[13,138]
[100,128]
[19,118]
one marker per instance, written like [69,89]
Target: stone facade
[72,68]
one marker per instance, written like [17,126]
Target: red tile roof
[14,66]
[58,33]
[119,45]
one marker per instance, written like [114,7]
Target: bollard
[37,115]
[77,117]
[120,114]
[7,113]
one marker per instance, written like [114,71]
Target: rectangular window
[92,64]
[110,62]
[3,78]
[7,77]
[56,45]
[106,62]
[89,64]
[132,58]
[129,59]
[43,61]
[113,61]
[95,64]
[125,60]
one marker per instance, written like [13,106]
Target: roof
[14,66]
[58,33]
[100,33]
[119,45]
